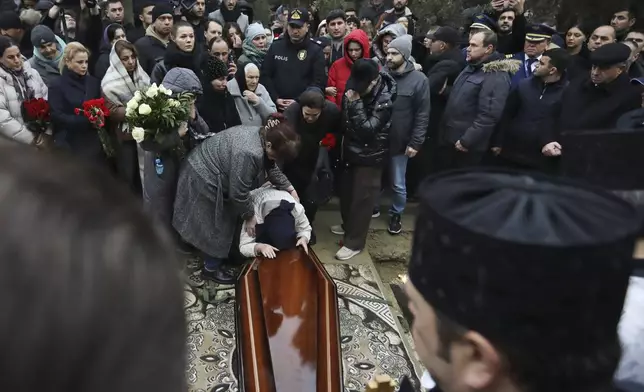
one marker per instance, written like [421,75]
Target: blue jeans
[397,175]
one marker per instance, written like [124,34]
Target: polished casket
[288,326]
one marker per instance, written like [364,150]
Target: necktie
[529,65]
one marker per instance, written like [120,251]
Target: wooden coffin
[288,334]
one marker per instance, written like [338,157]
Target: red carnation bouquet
[328,141]
[95,110]
[36,115]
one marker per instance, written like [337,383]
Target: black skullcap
[214,69]
[530,261]
[161,9]
[363,72]
[610,54]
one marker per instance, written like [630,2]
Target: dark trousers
[450,158]
[358,191]
[127,165]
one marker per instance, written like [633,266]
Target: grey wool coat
[250,114]
[214,188]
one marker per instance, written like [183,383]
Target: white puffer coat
[11,123]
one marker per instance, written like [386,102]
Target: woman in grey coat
[161,167]
[214,186]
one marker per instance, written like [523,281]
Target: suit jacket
[521,73]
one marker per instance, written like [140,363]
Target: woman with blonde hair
[67,93]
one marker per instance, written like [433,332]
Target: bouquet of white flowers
[152,114]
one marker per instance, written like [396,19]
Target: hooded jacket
[48,69]
[395,30]
[476,103]
[341,69]
[366,124]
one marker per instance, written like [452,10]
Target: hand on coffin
[304,243]
[250,226]
[266,251]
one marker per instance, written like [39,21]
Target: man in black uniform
[517,282]
[294,62]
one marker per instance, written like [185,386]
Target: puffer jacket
[341,69]
[250,114]
[476,103]
[11,123]
[366,124]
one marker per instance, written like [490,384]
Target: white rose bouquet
[153,114]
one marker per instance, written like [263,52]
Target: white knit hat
[254,30]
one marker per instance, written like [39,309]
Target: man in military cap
[294,62]
[537,39]
[597,101]
[515,286]
[480,23]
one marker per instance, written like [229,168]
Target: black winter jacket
[530,115]
[150,51]
[366,124]
[67,93]
[289,68]
[587,107]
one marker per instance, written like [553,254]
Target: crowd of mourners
[354,103]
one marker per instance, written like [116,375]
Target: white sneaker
[345,253]
[337,230]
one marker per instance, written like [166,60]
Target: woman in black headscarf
[216,105]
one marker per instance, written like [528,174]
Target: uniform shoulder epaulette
[509,56]
[316,41]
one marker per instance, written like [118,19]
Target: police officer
[537,41]
[294,62]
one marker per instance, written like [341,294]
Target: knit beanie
[214,69]
[254,30]
[42,34]
[403,45]
[161,9]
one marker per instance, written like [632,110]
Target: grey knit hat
[42,34]
[182,80]
[403,45]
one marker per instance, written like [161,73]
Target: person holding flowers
[123,79]
[163,158]
[19,83]
[215,184]
[66,97]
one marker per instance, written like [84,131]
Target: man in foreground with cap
[537,39]
[48,51]
[152,47]
[597,101]
[409,121]
[294,62]
[514,284]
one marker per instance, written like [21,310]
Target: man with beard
[229,11]
[48,51]
[537,39]
[392,15]
[152,47]
[512,28]
[144,13]
[196,18]
[475,103]
[513,284]
[524,136]
[409,121]
[597,101]
[294,62]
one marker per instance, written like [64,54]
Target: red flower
[94,110]
[77,111]
[328,141]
